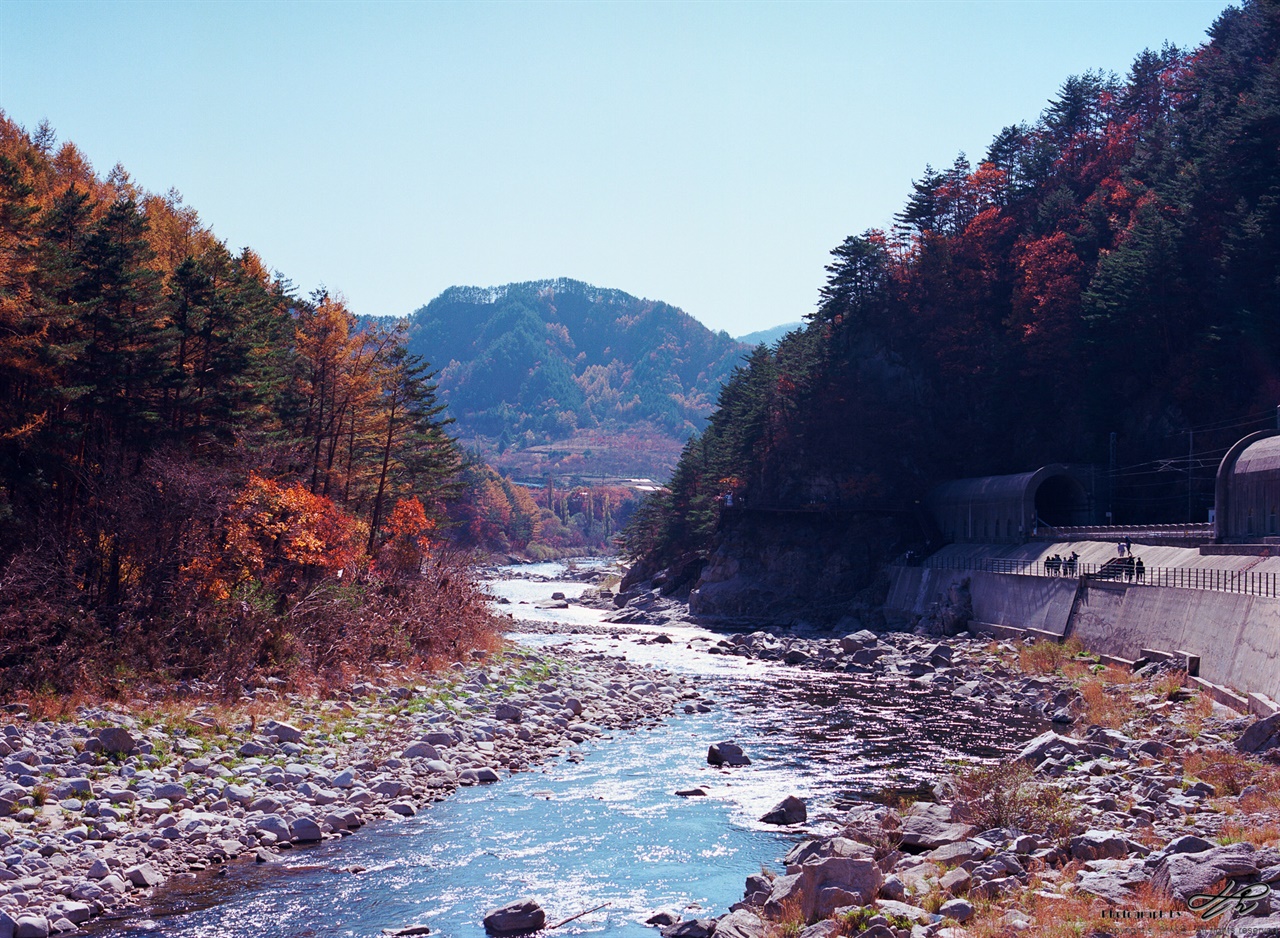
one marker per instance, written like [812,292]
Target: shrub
[1004,795]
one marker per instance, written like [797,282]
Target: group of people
[1135,569]
[1066,566]
[1128,566]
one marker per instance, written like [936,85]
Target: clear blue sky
[706,154]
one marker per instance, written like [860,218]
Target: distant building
[1011,508]
[1247,490]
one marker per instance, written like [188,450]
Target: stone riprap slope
[1141,795]
[96,811]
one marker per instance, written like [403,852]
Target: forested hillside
[561,376]
[1112,267]
[498,516]
[201,473]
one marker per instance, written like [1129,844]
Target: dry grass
[48,705]
[1197,713]
[1053,658]
[1107,703]
[1259,831]
[1169,686]
[1229,772]
[790,923]
[1146,835]
[1260,802]
[1080,914]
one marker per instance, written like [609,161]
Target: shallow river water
[609,830]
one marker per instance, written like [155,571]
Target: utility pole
[1191,451]
[1111,482]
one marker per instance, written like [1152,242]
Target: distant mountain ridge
[531,369]
[769,336]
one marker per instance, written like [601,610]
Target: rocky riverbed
[1142,796]
[100,809]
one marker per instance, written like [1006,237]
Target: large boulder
[810,851]
[1116,884]
[1185,874]
[693,928]
[823,886]
[174,791]
[1050,745]
[420,750]
[144,875]
[1262,735]
[116,740]
[928,826]
[508,713]
[31,925]
[828,929]
[726,753]
[903,910]
[285,732]
[1100,845]
[790,810]
[740,924]
[514,918]
[304,830]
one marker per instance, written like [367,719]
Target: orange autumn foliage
[287,537]
[408,538]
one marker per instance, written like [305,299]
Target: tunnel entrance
[1062,501]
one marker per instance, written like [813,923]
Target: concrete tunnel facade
[1010,508]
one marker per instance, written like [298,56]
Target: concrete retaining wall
[1237,637]
[1035,602]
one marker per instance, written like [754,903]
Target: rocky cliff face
[816,567]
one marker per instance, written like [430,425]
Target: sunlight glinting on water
[610,829]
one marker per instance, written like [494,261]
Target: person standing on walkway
[1141,569]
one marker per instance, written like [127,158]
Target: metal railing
[1115,532]
[1122,570]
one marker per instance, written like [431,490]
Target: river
[609,829]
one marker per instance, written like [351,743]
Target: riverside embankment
[858,726]
[1143,795]
[107,807]
[587,823]
[1220,609]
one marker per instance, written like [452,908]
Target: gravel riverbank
[1139,795]
[100,809]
